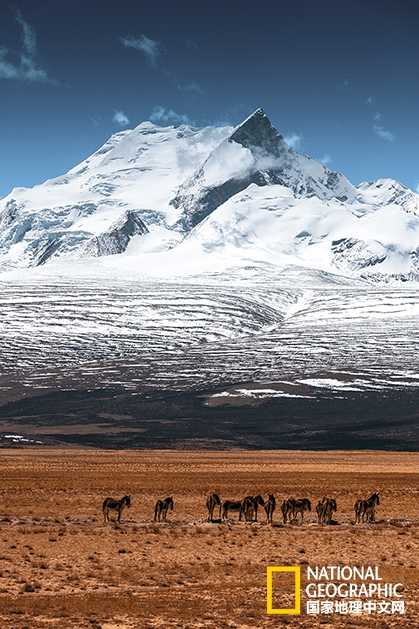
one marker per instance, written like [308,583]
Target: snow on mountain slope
[135,171]
[178,200]
[273,225]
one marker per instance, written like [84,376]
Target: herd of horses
[247,508]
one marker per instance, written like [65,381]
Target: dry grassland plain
[62,567]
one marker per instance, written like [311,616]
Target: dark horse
[365,509]
[212,501]
[299,506]
[231,505]
[250,507]
[270,505]
[287,509]
[115,505]
[325,509]
[160,510]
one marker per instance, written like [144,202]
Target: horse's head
[307,503]
[127,500]
[258,500]
[169,502]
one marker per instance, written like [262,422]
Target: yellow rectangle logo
[270,570]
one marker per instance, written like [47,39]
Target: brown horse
[299,506]
[160,510]
[115,505]
[325,509]
[231,505]
[270,505]
[287,509]
[365,509]
[212,501]
[250,507]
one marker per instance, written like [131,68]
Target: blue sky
[337,78]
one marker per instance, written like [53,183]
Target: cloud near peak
[121,118]
[294,141]
[152,49]
[168,116]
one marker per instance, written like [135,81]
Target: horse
[115,505]
[270,505]
[250,507]
[299,506]
[212,501]
[160,510]
[287,509]
[365,509]
[324,509]
[231,505]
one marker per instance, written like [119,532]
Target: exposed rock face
[260,156]
[45,249]
[116,239]
[257,131]
[8,215]
[351,254]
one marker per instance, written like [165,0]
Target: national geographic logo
[295,588]
[343,590]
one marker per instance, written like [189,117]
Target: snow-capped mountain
[160,200]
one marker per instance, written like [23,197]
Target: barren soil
[62,567]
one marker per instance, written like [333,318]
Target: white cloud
[383,133]
[377,116]
[417,188]
[343,85]
[294,140]
[28,36]
[326,159]
[152,49]
[191,88]
[168,116]
[370,100]
[121,118]
[23,65]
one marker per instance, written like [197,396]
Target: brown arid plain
[62,567]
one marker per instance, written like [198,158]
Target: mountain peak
[257,131]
